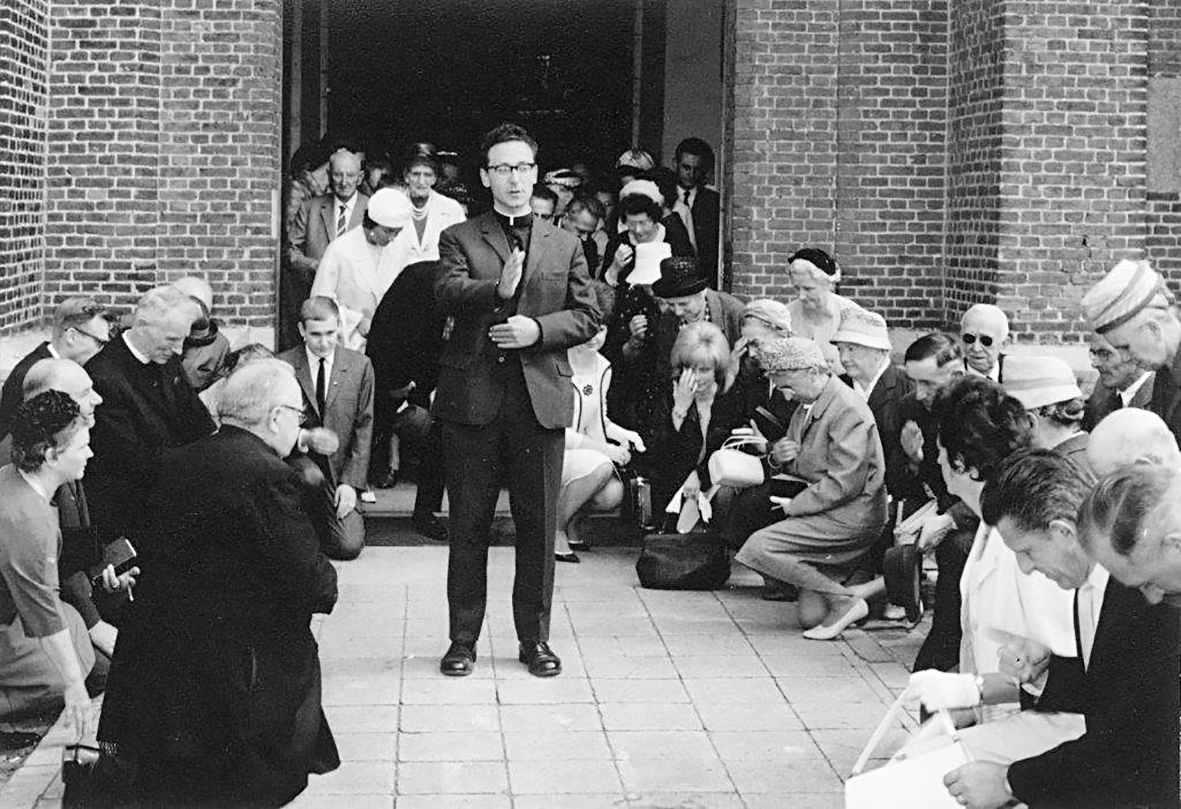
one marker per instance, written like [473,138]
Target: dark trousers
[941,649]
[516,449]
[750,511]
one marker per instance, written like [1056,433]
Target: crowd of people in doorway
[564,342]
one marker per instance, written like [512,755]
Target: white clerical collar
[35,484]
[135,352]
[52,351]
[1129,393]
[867,391]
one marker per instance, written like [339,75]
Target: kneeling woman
[834,521]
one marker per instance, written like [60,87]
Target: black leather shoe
[430,527]
[567,557]
[459,661]
[540,659]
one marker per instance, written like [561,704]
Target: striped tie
[342,220]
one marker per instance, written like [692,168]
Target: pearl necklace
[418,215]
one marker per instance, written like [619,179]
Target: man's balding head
[1129,435]
[67,377]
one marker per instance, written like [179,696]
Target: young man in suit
[319,221]
[337,386]
[518,290]
[698,204]
[1124,679]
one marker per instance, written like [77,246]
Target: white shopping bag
[907,783]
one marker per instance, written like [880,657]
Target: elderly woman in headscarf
[816,312]
[836,514]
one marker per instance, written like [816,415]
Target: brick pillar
[837,141]
[164,154]
[1073,197]
[24,73]
[974,132]
[782,153]
[1164,140]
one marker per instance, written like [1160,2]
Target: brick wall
[891,133]
[838,142]
[220,150]
[1073,196]
[23,75]
[973,155]
[784,143]
[164,151]
[1164,205]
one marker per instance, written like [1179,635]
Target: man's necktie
[320,393]
[686,213]
[342,220]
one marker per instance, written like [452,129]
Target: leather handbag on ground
[697,560]
[636,508]
[731,466]
[79,762]
[911,782]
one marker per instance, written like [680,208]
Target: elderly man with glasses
[80,331]
[984,330]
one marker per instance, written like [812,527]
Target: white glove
[938,690]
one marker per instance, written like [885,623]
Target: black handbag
[79,762]
[636,509]
[698,560]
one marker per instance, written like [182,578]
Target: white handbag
[730,466]
[910,782]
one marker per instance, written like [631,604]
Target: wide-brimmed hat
[680,276]
[864,328]
[389,207]
[1039,381]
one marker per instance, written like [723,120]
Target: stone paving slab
[694,700]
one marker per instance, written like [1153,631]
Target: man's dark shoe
[540,659]
[459,661]
[429,526]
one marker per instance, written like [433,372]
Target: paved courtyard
[668,699]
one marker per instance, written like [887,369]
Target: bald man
[1133,310]
[1131,435]
[984,330]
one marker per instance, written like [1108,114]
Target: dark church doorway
[444,71]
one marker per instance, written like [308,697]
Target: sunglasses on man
[984,339]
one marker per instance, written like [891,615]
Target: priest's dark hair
[506,133]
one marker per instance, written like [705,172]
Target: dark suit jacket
[554,290]
[1129,696]
[885,402]
[706,216]
[1103,401]
[216,660]
[405,340]
[13,393]
[1166,396]
[348,407]
[145,409]
[314,228]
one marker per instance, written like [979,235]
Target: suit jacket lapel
[304,375]
[340,368]
[327,207]
[538,245]
[494,235]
